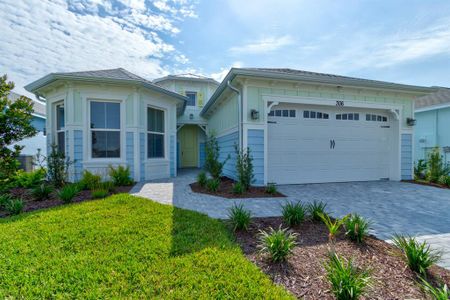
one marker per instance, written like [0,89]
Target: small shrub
[347,282]
[42,192]
[4,198]
[436,166]
[57,167]
[14,206]
[271,189]
[437,293]
[238,188]
[244,167]
[108,185]
[202,179]
[444,180]
[333,226]
[89,180]
[357,228]
[68,192]
[418,256]
[120,175]
[239,217]
[277,243]
[213,185]
[315,209]
[293,213]
[29,179]
[420,169]
[99,193]
[212,164]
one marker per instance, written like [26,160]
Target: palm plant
[333,227]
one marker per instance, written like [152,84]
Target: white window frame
[164,133]
[89,137]
[62,129]
[196,97]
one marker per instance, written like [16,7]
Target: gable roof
[313,77]
[187,76]
[434,100]
[39,108]
[118,75]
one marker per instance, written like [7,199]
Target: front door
[188,146]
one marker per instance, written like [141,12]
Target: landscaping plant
[213,184]
[418,256]
[357,227]
[277,243]
[420,169]
[14,206]
[29,179]
[437,293]
[107,185]
[90,180]
[120,175]
[99,193]
[15,125]
[293,213]
[212,164]
[57,167]
[238,188]
[68,192]
[42,192]
[202,179]
[239,217]
[347,281]
[271,189]
[244,167]
[333,228]
[436,166]
[4,198]
[315,209]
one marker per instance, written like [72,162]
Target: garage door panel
[300,150]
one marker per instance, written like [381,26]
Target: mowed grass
[125,247]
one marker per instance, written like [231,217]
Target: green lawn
[124,247]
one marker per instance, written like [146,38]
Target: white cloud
[263,45]
[53,36]
[219,76]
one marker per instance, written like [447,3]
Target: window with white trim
[105,129]
[60,127]
[155,133]
[192,98]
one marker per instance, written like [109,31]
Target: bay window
[105,129]
[155,133]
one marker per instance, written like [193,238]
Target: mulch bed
[226,190]
[303,273]
[427,183]
[32,204]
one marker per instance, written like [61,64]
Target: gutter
[239,111]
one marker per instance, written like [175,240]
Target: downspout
[239,111]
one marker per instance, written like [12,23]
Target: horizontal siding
[142,155]
[201,155]
[130,151]
[406,157]
[226,144]
[78,154]
[255,142]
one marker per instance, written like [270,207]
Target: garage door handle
[332,144]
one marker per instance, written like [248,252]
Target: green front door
[188,146]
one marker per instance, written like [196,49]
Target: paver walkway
[393,207]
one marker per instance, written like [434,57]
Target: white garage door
[313,144]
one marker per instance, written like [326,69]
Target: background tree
[15,125]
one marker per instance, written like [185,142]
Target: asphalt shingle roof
[442,96]
[38,107]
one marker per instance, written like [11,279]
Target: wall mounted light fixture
[410,121]
[254,114]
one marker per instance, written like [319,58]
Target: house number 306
[339,103]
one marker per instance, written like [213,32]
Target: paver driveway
[393,207]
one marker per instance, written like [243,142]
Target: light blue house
[31,145]
[301,127]
[432,115]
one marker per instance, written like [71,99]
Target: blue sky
[400,41]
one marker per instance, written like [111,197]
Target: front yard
[124,247]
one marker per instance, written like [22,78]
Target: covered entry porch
[191,140]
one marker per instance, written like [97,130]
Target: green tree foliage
[212,164]
[15,125]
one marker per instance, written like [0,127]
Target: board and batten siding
[130,151]
[225,117]
[172,157]
[255,142]
[406,157]
[227,143]
[78,154]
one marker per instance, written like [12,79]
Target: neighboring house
[432,114]
[191,128]
[31,145]
[301,127]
